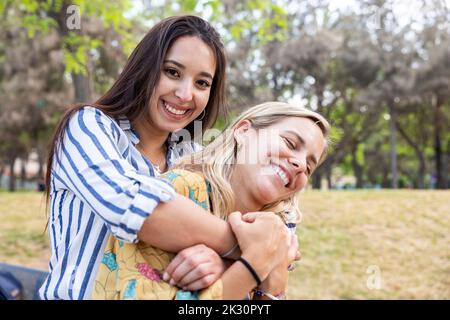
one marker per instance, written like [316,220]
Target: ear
[241,129]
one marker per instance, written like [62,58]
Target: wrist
[232,252]
[251,270]
[260,294]
[258,265]
[276,281]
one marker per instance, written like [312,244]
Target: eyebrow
[302,142]
[179,65]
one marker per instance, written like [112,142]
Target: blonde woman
[258,164]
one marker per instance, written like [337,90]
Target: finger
[248,218]
[173,265]
[235,218]
[201,283]
[196,274]
[185,267]
[252,216]
[180,258]
[293,248]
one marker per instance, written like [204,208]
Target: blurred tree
[81,26]
[433,85]
[370,73]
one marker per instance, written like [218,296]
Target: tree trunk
[440,181]
[445,168]
[357,170]
[82,88]
[393,140]
[12,177]
[40,173]
[385,178]
[421,173]
[2,171]
[317,179]
[81,83]
[420,156]
[23,173]
[330,184]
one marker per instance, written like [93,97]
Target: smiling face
[275,162]
[184,87]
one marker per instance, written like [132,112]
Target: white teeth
[173,110]
[282,175]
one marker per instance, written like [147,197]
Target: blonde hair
[216,161]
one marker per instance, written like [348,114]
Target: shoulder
[190,184]
[93,121]
[87,115]
[184,177]
[88,112]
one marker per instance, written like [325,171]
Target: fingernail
[172,282]
[166,276]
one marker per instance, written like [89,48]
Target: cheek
[301,182]
[164,85]
[278,150]
[202,99]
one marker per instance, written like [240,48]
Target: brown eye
[203,84]
[172,72]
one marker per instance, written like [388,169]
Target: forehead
[309,131]
[192,52]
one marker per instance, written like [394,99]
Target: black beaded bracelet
[250,268]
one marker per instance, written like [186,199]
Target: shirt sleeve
[91,164]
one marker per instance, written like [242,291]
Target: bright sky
[404,10]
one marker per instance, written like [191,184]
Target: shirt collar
[133,135]
[125,125]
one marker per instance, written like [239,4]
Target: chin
[171,127]
[267,194]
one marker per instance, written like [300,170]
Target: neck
[245,202]
[151,140]
[152,144]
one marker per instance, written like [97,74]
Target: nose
[298,163]
[184,91]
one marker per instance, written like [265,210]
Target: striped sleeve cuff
[151,192]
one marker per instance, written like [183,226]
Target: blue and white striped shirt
[100,185]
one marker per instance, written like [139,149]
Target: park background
[376,214]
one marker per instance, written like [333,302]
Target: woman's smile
[283,176]
[175,112]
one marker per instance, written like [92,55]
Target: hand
[264,241]
[194,268]
[293,254]
[275,283]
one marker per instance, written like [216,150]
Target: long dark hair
[130,94]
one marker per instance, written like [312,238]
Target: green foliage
[24,138]
[360,154]
[275,54]
[76,48]
[188,5]
[36,18]
[34,24]
[336,134]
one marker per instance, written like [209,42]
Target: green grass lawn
[355,244]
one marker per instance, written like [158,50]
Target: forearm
[237,282]
[179,224]
[275,283]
